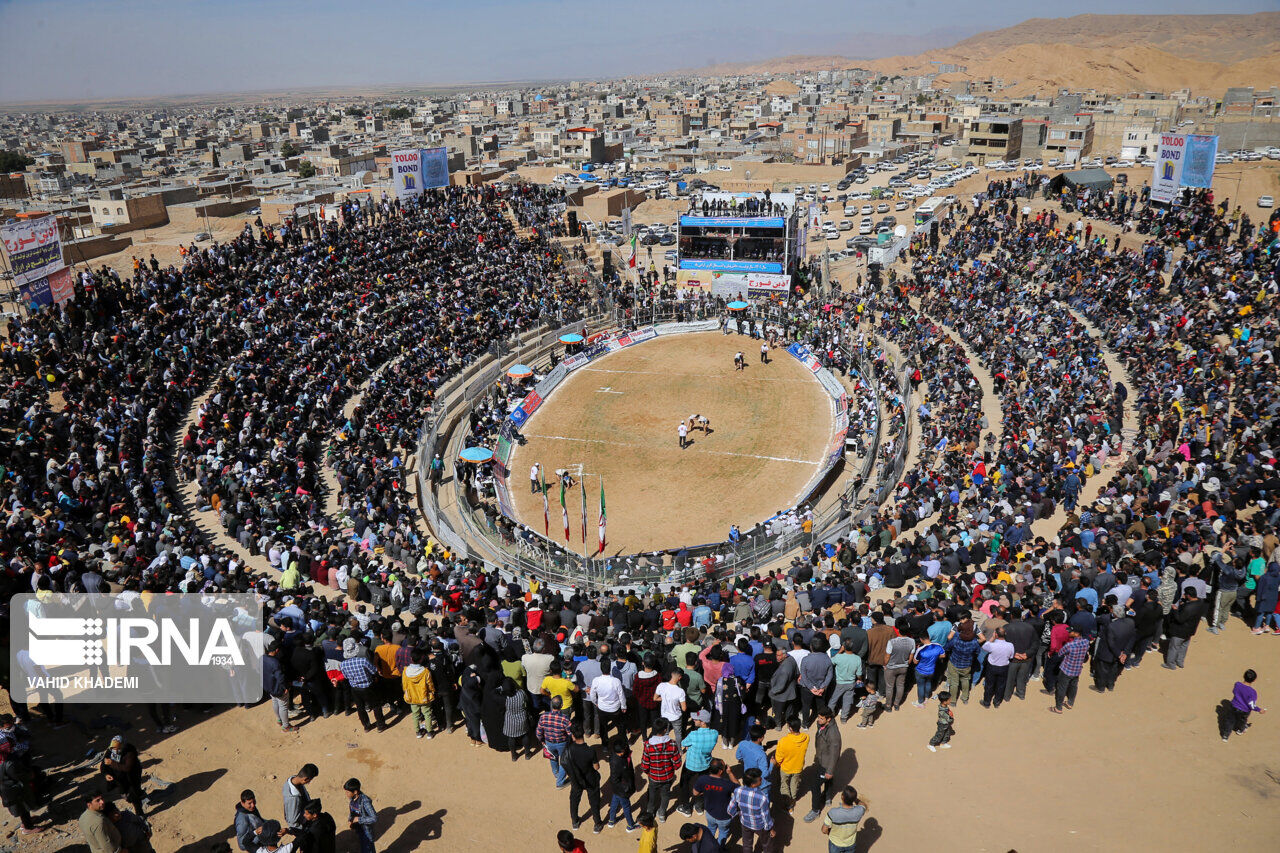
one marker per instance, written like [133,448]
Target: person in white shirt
[610,700]
[671,698]
[996,670]
[533,479]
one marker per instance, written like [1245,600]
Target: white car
[850,210]
[901,205]
[1124,164]
[723,168]
[846,225]
[866,210]
[826,188]
[1266,201]
[882,207]
[866,227]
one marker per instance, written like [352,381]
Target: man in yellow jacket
[419,692]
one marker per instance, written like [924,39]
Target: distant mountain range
[1109,53]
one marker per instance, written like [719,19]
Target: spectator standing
[581,764]
[841,823]
[827,746]
[751,807]
[791,750]
[622,782]
[362,817]
[553,732]
[660,760]
[1074,654]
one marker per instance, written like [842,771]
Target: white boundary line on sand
[650,447]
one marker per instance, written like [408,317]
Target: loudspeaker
[607,269]
[573,223]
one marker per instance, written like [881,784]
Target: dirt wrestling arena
[617,419]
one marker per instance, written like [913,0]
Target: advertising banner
[33,247]
[107,648]
[1198,162]
[1166,175]
[50,290]
[573,362]
[734,221]
[831,385]
[681,328]
[805,356]
[551,380]
[730,266]
[527,407]
[631,338]
[435,167]
[406,173]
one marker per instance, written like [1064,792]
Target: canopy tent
[475,454]
[1096,180]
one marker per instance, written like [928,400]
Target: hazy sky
[60,49]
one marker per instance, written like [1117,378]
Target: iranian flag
[564,510]
[602,516]
[546,510]
[631,261]
[583,487]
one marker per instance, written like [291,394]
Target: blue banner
[735,221]
[435,167]
[1198,161]
[730,266]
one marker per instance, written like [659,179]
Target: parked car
[882,207]
[1266,201]
[846,225]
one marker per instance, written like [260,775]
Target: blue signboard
[1198,161]
[435,167]
[735,221]
[730,266]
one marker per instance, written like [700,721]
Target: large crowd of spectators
[1157,530]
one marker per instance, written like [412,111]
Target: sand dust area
[617,419]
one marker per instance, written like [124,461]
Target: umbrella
[737,305]
[571,339]
[475,454]
[520,371]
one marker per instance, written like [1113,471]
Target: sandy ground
[1140,769]
[617,418]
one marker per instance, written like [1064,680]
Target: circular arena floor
[617,419]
